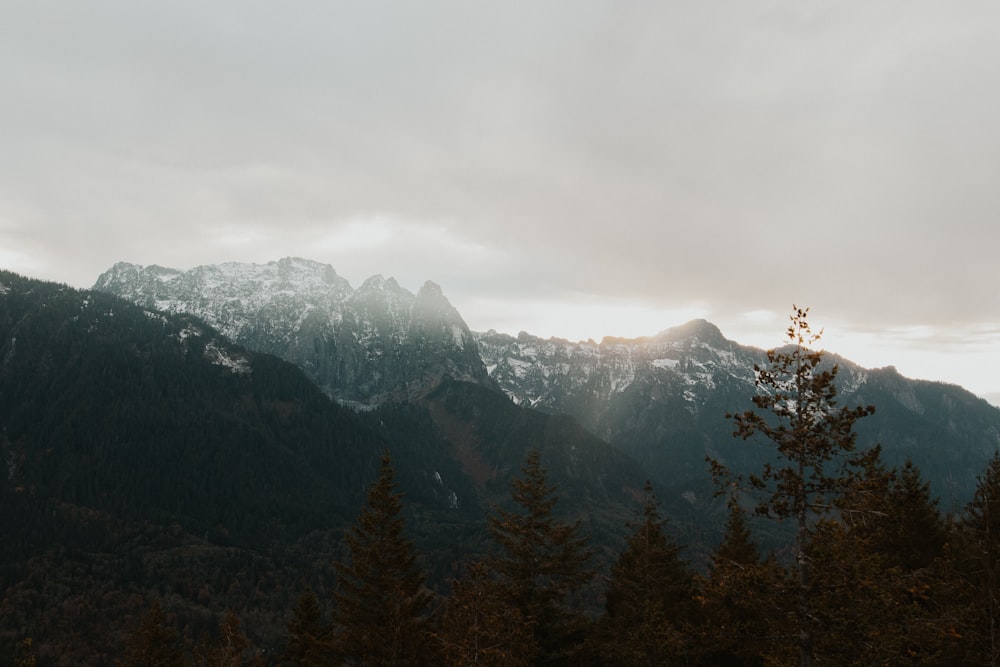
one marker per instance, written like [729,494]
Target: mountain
[147,457]
[662,400]
[367,346]
[132,412]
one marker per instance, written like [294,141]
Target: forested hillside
[147,456]
[147,459]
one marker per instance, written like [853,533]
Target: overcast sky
[572,168]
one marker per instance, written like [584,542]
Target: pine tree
[307,633]
[232,648]
[981,529]
[381,602]
[154,643]
[813,439]
[877,582]
[913,533]
[739,598]
[479,627]
[650,598]
[542,562]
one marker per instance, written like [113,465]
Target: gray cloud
[715,157]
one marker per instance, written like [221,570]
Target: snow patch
[220,357]
[665,363]
[186,333]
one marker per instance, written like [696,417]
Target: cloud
[710,157]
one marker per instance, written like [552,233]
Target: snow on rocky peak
[686,361]
[361,346]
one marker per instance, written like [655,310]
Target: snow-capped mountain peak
[354,343]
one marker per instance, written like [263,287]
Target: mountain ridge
[362,346]
[661,399]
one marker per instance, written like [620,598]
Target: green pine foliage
[542,561]
[977,555]
[479,627]
[740,596]
[308,633]
[813,440]
[381,613]
[154,643]
[650,602]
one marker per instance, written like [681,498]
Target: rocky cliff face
[364,347]
[685,364]
[662,399]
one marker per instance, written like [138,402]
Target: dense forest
[892,581]
[172,499]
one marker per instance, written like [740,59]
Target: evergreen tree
[813,438]
[542,562]
[154,643]
[981,530]
[913,532]
[878,594]
[307,633]
[479,627]
[380,616]
[650,600]
[739,596]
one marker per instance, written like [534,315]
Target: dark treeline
[892,581]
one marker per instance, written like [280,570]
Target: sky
[574,168]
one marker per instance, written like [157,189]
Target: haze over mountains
[660,399]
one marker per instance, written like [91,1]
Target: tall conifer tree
[542,562]
[307,633]
[650,600]
[739,598]
[982,542]
[154,643]
[381,602]
[480,627]
[797,412]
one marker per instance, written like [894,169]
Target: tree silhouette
[813,438]
[479,627]
[381,602]
[739,596]
[154,643]
[542,562]
[982,537]
[307,633]
[650,597]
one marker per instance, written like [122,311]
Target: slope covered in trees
[147,458]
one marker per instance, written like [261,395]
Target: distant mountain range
[660,399]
